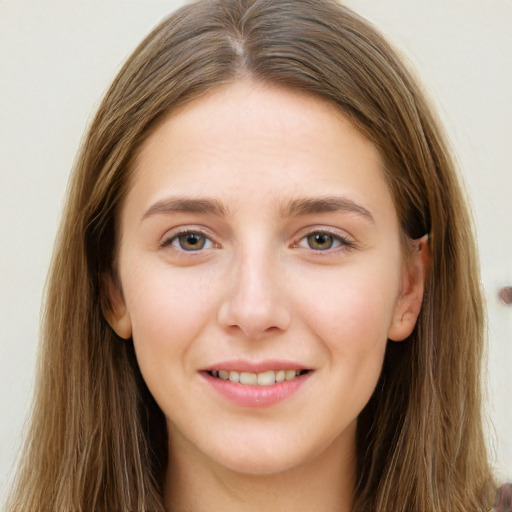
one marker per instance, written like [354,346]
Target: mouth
[266,378]
[249,384]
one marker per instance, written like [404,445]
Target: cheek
[351,317]
[168,309]
[355,304]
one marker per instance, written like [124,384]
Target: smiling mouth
[268,378]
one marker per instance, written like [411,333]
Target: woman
[265,288]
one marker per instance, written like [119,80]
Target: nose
[255,302]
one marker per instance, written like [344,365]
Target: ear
[408,304]
[114,307]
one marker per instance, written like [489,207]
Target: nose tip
[255,304]
[253,321]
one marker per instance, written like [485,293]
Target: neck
[326,482]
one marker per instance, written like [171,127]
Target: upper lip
[241,365]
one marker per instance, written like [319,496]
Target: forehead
[248,140]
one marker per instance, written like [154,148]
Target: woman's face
[259,242]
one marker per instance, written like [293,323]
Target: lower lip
[245,395]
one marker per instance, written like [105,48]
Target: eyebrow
[309,206]
[186,205]
[294,208]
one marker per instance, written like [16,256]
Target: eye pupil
[319,241]
[192,241]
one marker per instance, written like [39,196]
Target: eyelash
[175,239]
[339,242]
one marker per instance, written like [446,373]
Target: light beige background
[58,57]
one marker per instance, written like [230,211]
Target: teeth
[248,378]
[234,376]
[267,378]
[290,374]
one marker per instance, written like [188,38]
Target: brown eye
[321,241]
[190,242]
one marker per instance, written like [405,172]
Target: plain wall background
[58,57]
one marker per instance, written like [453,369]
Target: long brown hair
[97,439]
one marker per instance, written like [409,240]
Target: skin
[260,288]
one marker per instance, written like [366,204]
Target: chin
[260,464]
[264,455]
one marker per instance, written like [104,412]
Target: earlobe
[408,304]
[114,307]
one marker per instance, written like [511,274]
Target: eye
[189,241]
[323,241]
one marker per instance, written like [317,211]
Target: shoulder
[503,502]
